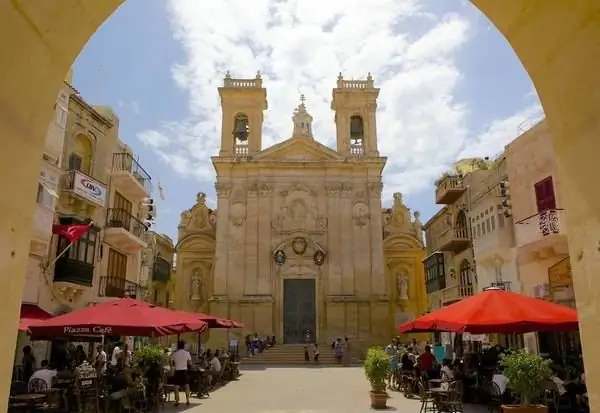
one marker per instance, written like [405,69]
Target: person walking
[316,353]
[181,361]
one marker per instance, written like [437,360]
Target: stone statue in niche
[402,286]
[212,219]
[196,286]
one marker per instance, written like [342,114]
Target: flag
[161,191]
[71,232]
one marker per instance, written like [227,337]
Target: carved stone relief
[223,190]
[299,212]
[260,189]
[398,220]
[237,214]
[338,189]
[374,189]
[360,214]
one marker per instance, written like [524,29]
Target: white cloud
[300,46]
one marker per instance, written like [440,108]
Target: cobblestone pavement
[297,390]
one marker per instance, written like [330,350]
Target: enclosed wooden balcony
[448,189]
[455,239]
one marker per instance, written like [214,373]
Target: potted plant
[150,357]
[526,376]
[377,367]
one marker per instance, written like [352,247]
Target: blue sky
[451,86]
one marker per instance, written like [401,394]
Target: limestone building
[157,266]
[299,241]
[87,174]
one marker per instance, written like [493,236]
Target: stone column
[221,251]
[265,256]
[377,264]
[251,247]
[334,275]
[346,238]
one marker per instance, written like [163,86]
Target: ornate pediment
[199,218]
[397,220]
[298,150]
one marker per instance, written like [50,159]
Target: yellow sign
[560,274]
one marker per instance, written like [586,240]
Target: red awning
[122,317]
[496,311]
[31,314]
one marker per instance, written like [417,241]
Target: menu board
[86,388]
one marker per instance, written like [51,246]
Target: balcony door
[116,275]
[545,198]
[122,208]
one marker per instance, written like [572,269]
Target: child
[316,353]
[306,358]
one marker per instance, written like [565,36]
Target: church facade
[299,242]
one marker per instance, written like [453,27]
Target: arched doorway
[556,42]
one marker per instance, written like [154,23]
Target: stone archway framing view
[555,40]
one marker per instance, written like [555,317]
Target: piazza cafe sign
[88,330]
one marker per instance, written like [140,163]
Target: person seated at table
[28,362]
[214,367]
[447,372]
[427,362]
[46,373]
[407,360]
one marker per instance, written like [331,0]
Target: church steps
[291,354]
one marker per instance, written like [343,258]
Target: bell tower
[242,104]
[302,121]
[355,106]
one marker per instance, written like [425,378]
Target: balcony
[544,234]
[84,188]
[456,293]
[119,287]
[161,271]
[67,270]
[436,284]
[448,189]
[454,239]
[124,231]
[129,176]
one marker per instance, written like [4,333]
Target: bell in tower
[357,130]
[241,129]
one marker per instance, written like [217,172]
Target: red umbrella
[212,321]
[31,314]
[496,311]
[122,317]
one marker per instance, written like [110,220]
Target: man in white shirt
[101,359]
[114,358]
[181,360]
[45,373]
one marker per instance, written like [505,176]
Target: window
[117,265]
[83,250]
[120,202]
[39,198]
[75,162]
[61,116]
[501,220]
[544,194]
[488,226]
[465,273]
[493,222]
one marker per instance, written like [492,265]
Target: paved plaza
[297,390]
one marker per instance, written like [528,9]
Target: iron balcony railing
[541,225]
[119,287]
[161,271]
[125,162]
[121,218]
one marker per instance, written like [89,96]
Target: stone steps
[291,354]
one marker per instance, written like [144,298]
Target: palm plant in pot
[526,376]
[377,368]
